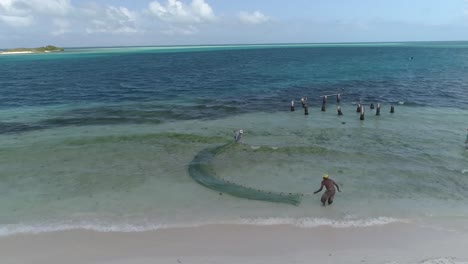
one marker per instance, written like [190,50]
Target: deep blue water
[244,80]
[134,86]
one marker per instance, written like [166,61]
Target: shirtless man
[330,192]
[466,141]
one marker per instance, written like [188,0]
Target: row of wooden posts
[359,109]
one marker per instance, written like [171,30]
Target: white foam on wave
[12,229]
[448,260]
[102,226]
[445,260]
[308,222]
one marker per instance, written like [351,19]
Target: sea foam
[444,260]
[103,226]
[309,222]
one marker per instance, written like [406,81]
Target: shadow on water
[17,127]
[120,116]
[202,171]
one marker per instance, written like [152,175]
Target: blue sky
[77,23]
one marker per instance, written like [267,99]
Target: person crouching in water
[238,135]
[330,192]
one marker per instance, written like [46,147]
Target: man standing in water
[330,192]
[238,135]
[466,141]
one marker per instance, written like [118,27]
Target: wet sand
[393,243]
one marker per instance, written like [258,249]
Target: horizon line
[260,44]
[271,43]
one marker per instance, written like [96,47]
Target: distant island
[45,49]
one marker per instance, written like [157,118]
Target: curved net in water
[202,171]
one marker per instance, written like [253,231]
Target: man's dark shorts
[328,195]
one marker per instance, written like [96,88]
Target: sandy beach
[15,52]
[394,243]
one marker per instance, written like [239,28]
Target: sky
[83,23]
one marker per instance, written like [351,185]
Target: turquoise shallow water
[105,142]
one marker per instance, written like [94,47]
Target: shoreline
[16,52]
[394,243]
[23,52]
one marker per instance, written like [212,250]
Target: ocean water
[140,138]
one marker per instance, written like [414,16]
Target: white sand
[15,52]
[395,243]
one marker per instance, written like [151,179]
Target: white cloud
[51,7]
[177,12]
[173,30]
[61,16]
[21,13]
[13,15]
[256,17]
[9,7]
[90,9]
[62,26]
[23,7]
[202,10]
[16,21]
[112,19]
